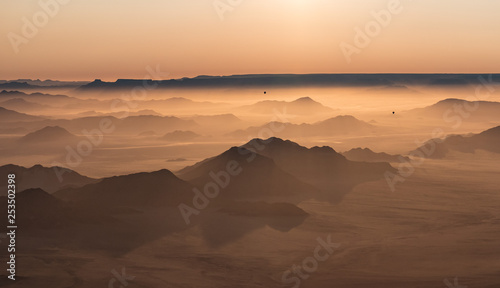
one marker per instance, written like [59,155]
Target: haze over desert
[250,144]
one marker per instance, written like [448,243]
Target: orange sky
[87,39]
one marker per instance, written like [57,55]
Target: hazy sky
[109,39]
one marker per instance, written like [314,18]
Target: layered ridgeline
[301,106]
[154,189]
[7,115]
[63,104]
[277,168]
[48,134]
[50,179]
[24,106]
[294,80]
[247,176]
[129,123]
[107,124]
[451,108]
[367,155]
[226,196]
[37,210]
[134,209]
[321,167]
[181,136]
[339,125]
[488,140]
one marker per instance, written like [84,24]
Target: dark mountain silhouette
[119,214]
[294,80]
[37,209]
[301,106]
[17,85]
[367,155]
[5,94]
[476,110]
[48,134]
[340,125]
[131,125]
[119,114]
[7,115]
[180,136]
[50,179]
[322,167]
[488,140]
[448,81]
[48,82]
[156,189]
[259,178]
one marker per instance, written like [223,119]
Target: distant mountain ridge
[48,134]
[180,136]
[294,80]
[367,155]
[7,115]
[488,140]
[446,109]
[300,106]
[339,125]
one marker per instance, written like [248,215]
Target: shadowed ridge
[490,133]
[251,177]
[159,188]
[321,167]
[50,179]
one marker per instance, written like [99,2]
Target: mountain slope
[180,136]
[301,106]
[367,155]
[48,134]
[488,140]
[469,110]
[156,189]
[20,104]
[340,125]
[255,177]
[7,115]
[322,167]
[50,179]
[36,209]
